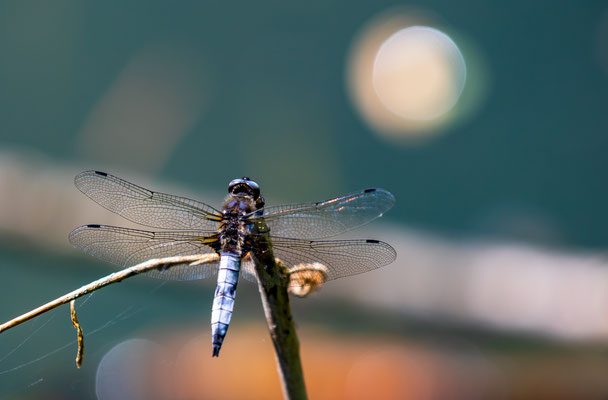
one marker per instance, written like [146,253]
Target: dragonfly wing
[337,258]
[248,268]
[327,218]
[145,207]
[127,247]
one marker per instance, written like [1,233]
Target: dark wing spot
[372,241]
[93,226]
[369,190]
[101,173]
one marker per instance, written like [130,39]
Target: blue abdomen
[223,301]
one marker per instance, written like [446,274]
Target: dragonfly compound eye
[254,187]
[233,183]
[244,185]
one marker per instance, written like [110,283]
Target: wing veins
[327,218]
[124,246]
[146,207]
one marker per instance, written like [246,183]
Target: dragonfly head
[244,185]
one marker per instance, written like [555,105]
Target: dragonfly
[228,238]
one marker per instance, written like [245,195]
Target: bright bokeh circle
[411,79]
[419,73]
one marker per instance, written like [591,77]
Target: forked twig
[157,263]
[160,263]
[273,283]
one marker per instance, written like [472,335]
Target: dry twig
[80,336]
[273,281]
[157,263]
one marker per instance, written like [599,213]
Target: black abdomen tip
[216,350]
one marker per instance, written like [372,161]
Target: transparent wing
[127,247]
[327,218]
[248,268]
[144,206]
[339,258]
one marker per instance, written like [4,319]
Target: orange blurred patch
[362,367]
[339,365]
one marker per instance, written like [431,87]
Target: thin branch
[273,282]
[158,263]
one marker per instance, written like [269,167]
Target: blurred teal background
[273,83]
[183,97]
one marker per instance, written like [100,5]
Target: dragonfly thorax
[236,206]
[234,227]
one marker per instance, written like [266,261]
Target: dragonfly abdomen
[223,301]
